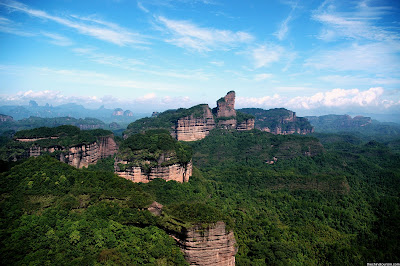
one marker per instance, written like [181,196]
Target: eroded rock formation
[81,155]
[193,128]
[213,245]
[226,105]
[279,121]
[176,172]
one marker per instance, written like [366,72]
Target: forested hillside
[288,199]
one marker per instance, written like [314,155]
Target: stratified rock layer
[176,172]
[81,155]
[213,245]
[193,128]
[226,105]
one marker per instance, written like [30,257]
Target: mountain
[279,121]
[360,126]
[68,110]
[233,194]
[196,122]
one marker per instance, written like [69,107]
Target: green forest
[328,199]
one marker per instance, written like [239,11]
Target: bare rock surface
[213,245]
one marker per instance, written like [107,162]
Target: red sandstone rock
[226,105]
[191,128]
[81,155]
[175,172]
[209,246]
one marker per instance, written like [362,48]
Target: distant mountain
[345,123]
[279,121]
[68,110]
[35,122]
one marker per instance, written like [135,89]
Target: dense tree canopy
[314,205]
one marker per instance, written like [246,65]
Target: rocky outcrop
[193,128]
[176,172]
[128,113]
[196,122]
[279,121]
[212,245]
[247,124]
[226,105]
[81,155]
[118,112]
[6,118]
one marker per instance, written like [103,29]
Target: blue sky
[312,57]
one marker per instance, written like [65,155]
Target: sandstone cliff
[194,127]
[81,155]
[213,245]
[196,122]
[153,154]
[202,243]
[176,172]
[226,105]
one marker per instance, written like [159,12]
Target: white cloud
[264,55]
[218,63]
[53,96]
[96,28]
[284,26]
[141,7]
[147,97]
[336,98]
[8,26]
[373,57]
[360,24]
[58,39]
[263,76]
[190,36]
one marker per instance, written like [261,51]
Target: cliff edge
[196,122]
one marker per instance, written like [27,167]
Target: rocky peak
[5,118]
[226,105]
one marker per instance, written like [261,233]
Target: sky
[312,57]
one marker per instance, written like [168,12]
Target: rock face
[193,128]
[279,121]
[196,122]
[247,124]
[209,246]
[176,172]
[226,105]
[80,155]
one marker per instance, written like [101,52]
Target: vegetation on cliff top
[275,118]
[52,213]
[152,148]
[337,207]
[165,120]
[63,136]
